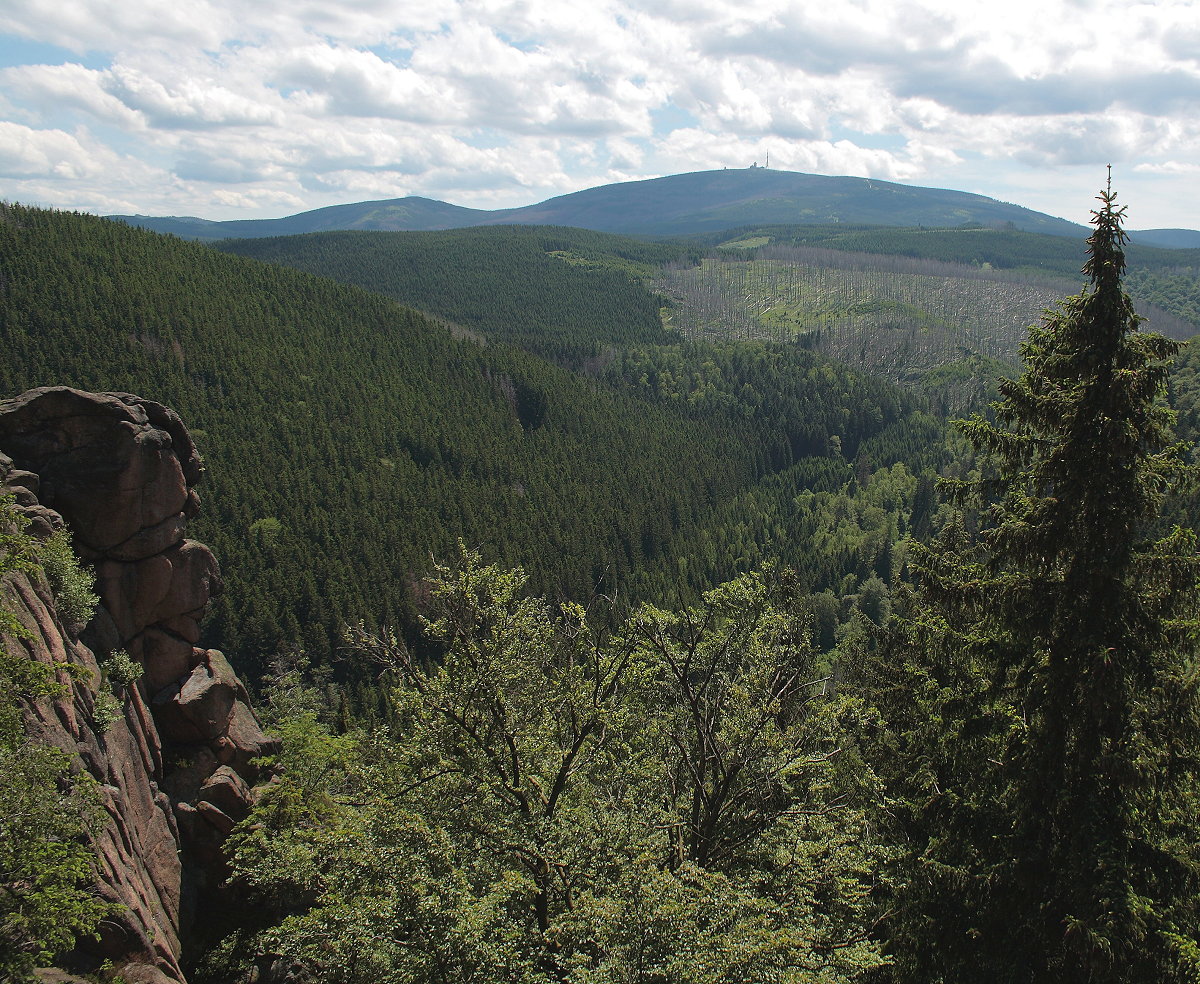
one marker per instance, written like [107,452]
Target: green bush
[46,811]
[107,708]
[121,668]
[72,583]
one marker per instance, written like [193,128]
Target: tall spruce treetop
[1051,750]
[1081,446]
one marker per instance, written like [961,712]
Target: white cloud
[196,101]
[350,82]
[1169,168]
[700,149]
[85,25]
[258,199]
[502,102]
[28,153]
[54,87]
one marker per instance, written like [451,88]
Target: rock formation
[177,770]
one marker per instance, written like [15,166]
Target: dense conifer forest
[566,294]
[349,439]
[602,650]
[995,780]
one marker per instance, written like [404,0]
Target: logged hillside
[1164,283]
[349,438]
[878,314]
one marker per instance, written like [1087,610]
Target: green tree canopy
[556,801]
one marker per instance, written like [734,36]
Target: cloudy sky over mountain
[236,109]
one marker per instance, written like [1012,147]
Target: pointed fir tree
[1043,691]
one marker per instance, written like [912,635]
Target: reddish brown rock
[188,772]
[140,973]
[103,463]
[191,508]
[195,578]
[17,478]
[137,850]
[174,768]
[246,743]
[152,540]
[52,975]
[167,657]
[220,820]
[185,626]
[206,699]
[228,792]
[133,592]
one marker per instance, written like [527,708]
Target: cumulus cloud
[1170,167]
[53,87]
[501,102]
[27,153]
[700,149]
[220,169]
[351,82]
[187,102]
[83,25]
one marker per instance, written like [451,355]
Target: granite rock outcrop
[178,768]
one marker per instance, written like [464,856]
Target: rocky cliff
[177,768]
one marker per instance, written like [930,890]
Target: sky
[258,108]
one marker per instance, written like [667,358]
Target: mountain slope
[1168,238]
[397,214]
[707,200]
[674,205]
[565,294]
[349,438]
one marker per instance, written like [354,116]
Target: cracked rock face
[120,472]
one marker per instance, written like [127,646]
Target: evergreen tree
[1044,710]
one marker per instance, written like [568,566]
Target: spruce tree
[1044,703]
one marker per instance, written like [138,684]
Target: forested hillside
[900,313]
[992,778]
[731,372]
[567,294]
[952,329]
[683,659]
[349,438]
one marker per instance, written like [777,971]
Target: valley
[623,601]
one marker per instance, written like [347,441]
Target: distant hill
[389,216]
[1164,283]
[680,204]
[709,200]
[1168,238]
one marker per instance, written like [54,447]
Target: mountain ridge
[672,205]
[1168,238]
